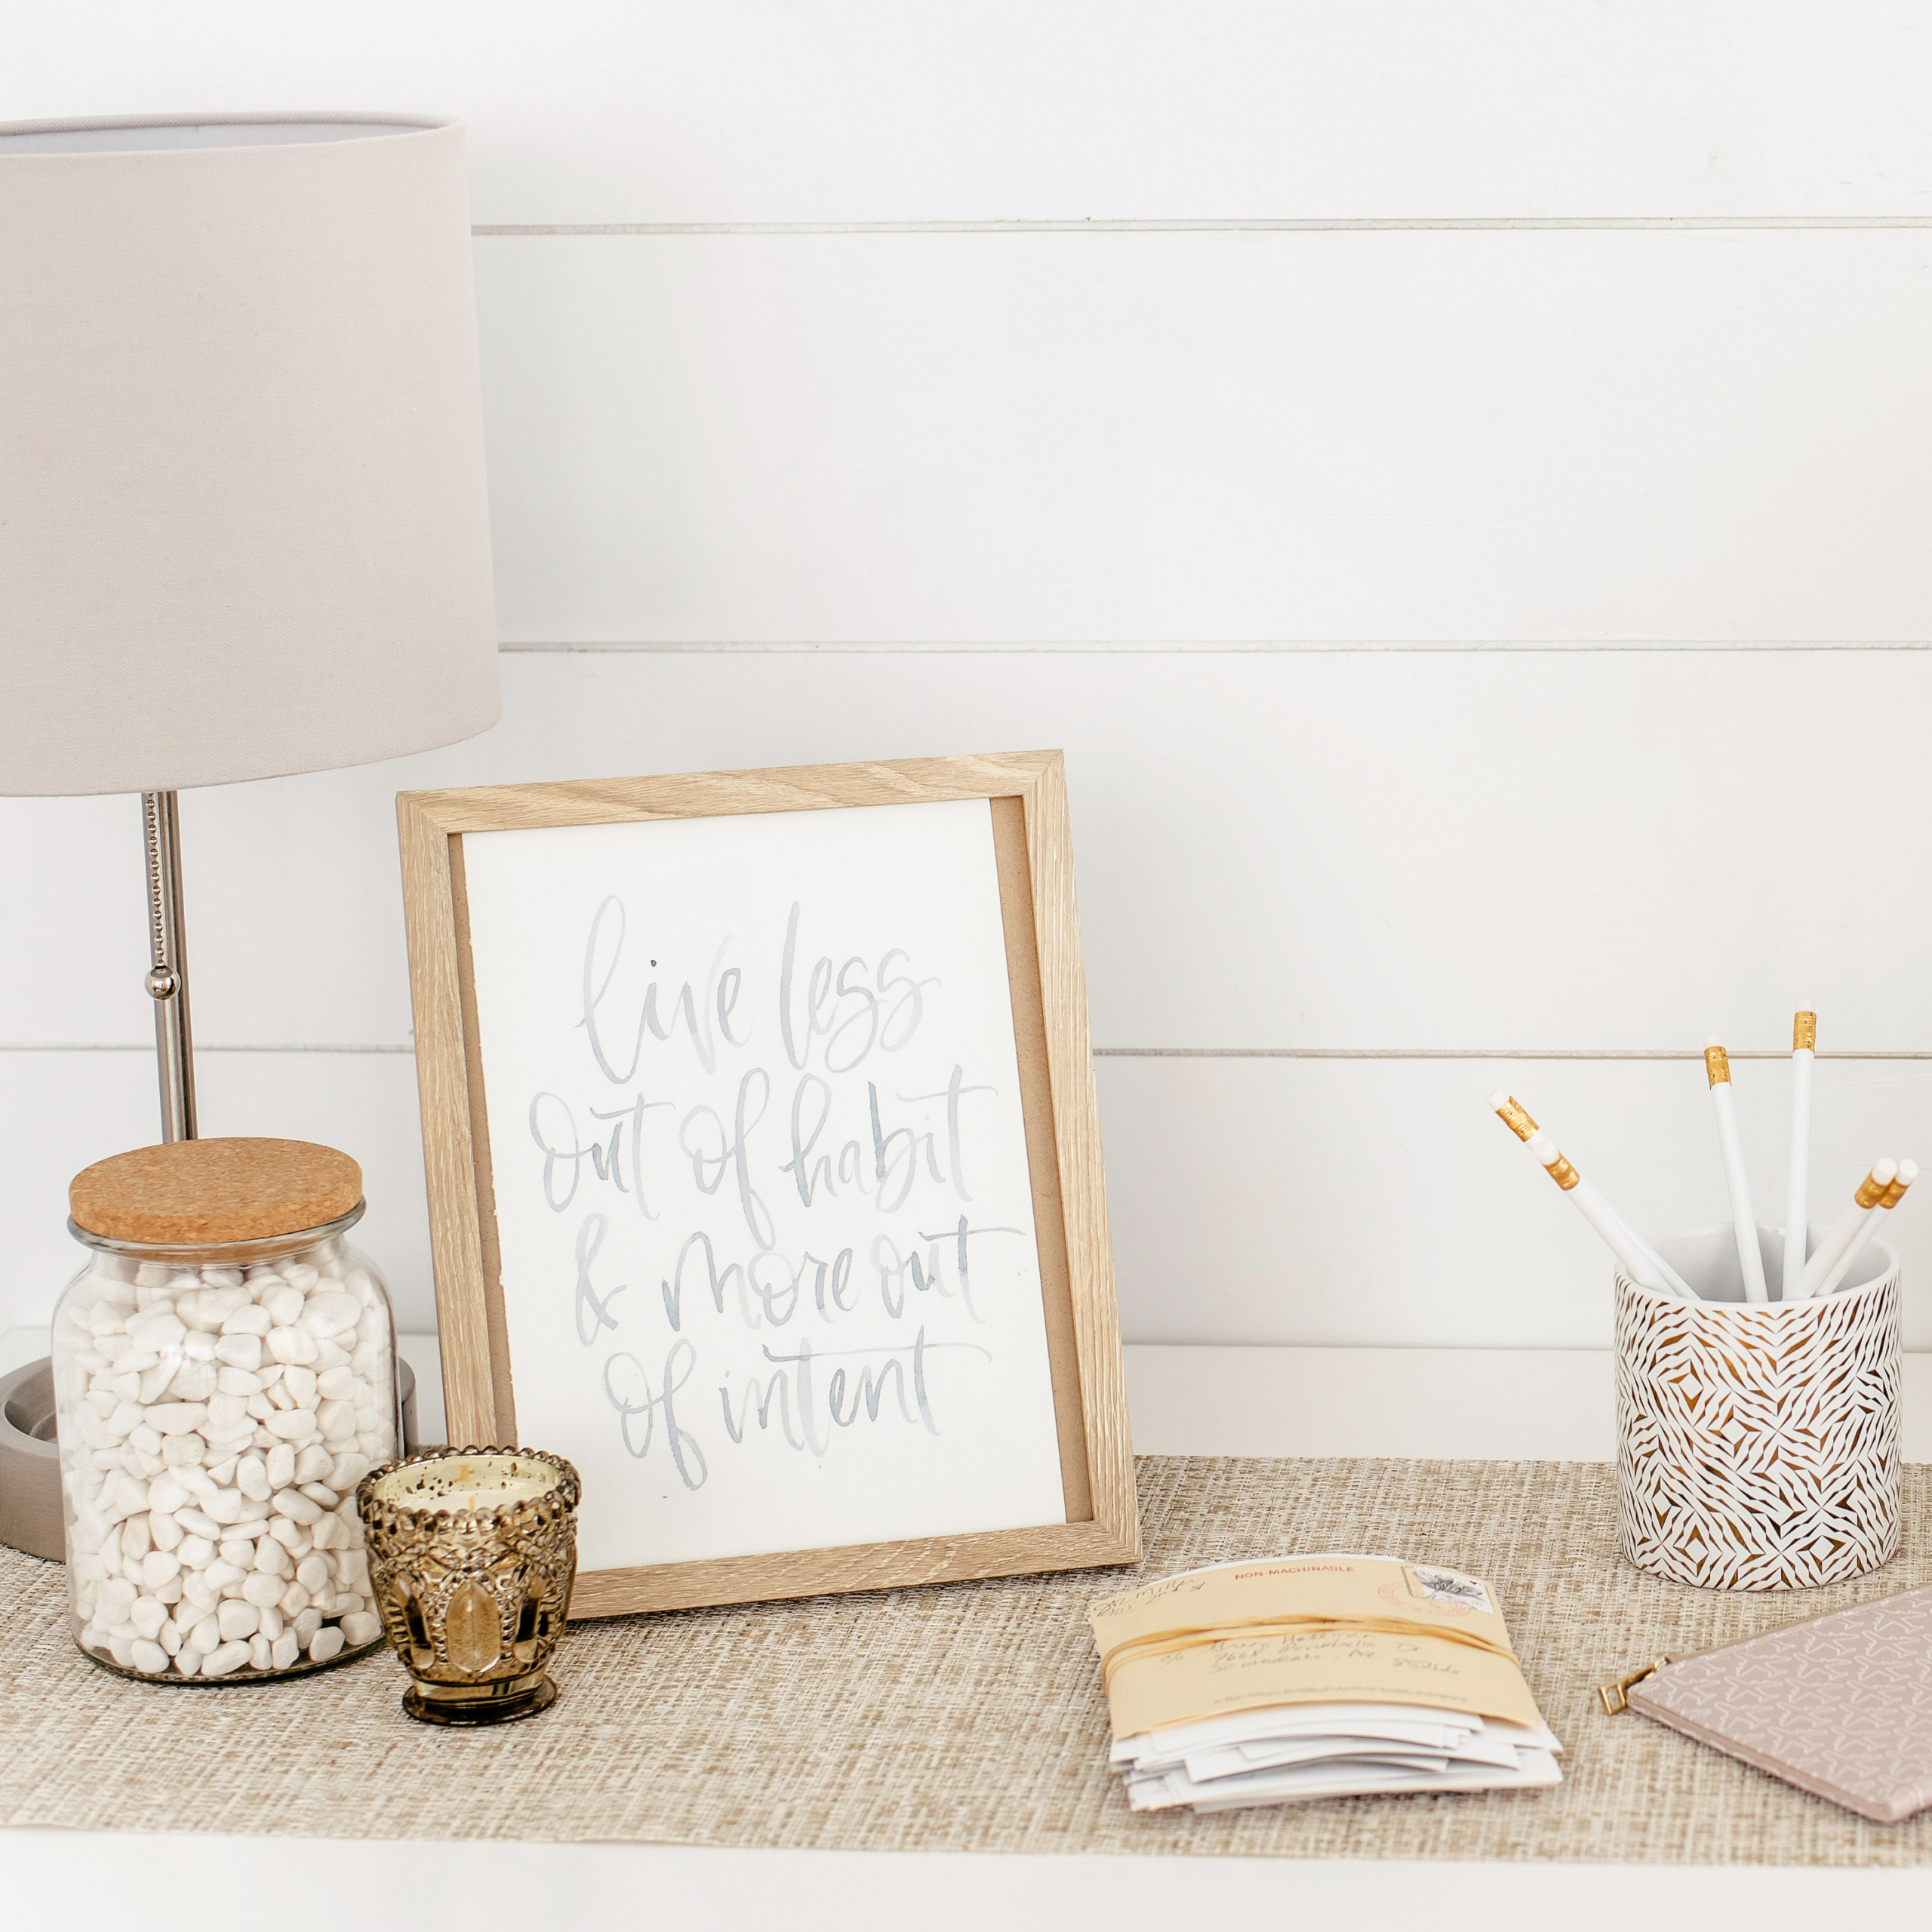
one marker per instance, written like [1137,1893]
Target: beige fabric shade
[243,525]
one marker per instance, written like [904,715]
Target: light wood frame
[1034,852]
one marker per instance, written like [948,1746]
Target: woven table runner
[965,1717]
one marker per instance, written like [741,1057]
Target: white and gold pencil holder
[1757,1443]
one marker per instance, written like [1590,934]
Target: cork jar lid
[186,1191]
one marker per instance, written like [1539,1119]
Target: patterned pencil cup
[1757,1445]
[473,1553]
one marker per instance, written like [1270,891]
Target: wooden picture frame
[1032,853]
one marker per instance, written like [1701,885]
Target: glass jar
[218,1395]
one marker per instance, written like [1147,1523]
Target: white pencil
[1744,1222]
[1871,1191]
[1803,1046]
[1868,1229]
[1608,1224]
[1653,1271]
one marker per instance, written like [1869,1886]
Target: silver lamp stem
[167,981]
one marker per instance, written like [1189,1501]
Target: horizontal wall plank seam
[1172,647]
[1100,1053]
[1227,225]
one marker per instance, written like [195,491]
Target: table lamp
[243,525]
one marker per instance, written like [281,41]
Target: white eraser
[1498,1101]
[1885,1172]
[1540,1146]
[1711,1041]
[1908,1172]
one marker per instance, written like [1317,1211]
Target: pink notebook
[1840,1706]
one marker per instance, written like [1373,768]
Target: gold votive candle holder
[473,1553]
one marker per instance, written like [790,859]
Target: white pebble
[330,1312]
[301,1275]
[193,1382]
[226,1657]
[175,1418]
[291,1425]
[292,1502]
[147,1617]
[362,1626]
[262,1588]
[238,1618]
[312,1573]
[162,1329]
[292,1346]
[307,1622]
[285,1650]
[158,1567]
[115,1601]
[205,1636]
[283,1304]
[249,1321]
[148,1656]
[167,1491]
[213,1306]
[251,1478]
[282,1465]
[325,1644]
[188,1660]
[226,1411]
[293,1537]
[261,1653]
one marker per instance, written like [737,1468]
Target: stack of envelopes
[1321,1676]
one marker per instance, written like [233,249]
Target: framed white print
[764,1176]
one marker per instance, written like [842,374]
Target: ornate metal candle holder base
[499,1703]
[473,1553]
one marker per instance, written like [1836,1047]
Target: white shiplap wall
[1455,481]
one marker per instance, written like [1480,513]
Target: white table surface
[1203,1401]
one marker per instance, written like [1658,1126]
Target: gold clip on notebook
[1840,1706]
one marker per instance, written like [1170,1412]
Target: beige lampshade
[243,525]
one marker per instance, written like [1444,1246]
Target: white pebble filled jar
[224,1373]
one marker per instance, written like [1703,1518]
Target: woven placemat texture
[967,1717]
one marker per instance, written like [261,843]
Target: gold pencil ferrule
[1894,1194]
[1872,1193]
[1804,1032]
[1717,1066]
[1512,1116]
[1563,1174]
